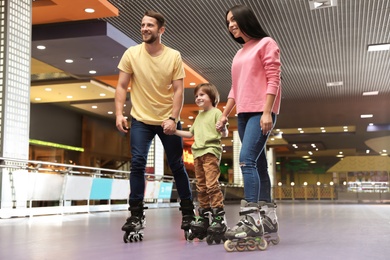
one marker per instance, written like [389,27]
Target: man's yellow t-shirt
[151,82]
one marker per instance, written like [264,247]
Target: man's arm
[178,99]
[120,98]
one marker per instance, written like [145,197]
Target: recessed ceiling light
[317,4]
[334,84]
[102,94]
[370,93]
[94,107]
[190,117]
[47,89]
[69,61]
[83,86]
[41,47]
[192,83]
[38,99]
[379,47]
[366,116]
[110,112]
[69,96]
[89,10]
[92,72]
[367,151]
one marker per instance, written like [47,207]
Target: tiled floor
[307,231]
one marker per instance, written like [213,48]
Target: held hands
[169,127]
[221,124]
[121,124]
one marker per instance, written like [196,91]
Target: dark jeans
[253,160]
[141,137]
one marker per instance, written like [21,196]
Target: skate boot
[217,229]
[187,211]
[200,224]
[135,223]
[270,222]
[249,232]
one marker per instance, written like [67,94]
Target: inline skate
[217,229]
[135,223]
[270,222]
[249,232]
[200,224]
[187,211]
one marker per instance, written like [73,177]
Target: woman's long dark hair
[247,22]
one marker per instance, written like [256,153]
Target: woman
[256,94]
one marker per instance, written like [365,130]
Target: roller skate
[187,211]
[200,224]
[135,223]
[217,229]
[249,232]
[270,222]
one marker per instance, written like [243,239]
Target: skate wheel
[263,244]
[131,238]
[209,240]
[141,237]
[228,245]
[241,246]
[251,244]
[217,241]
[126,237]
[275,241]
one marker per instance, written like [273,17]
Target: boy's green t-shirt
[206,137]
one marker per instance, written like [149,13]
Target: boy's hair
[210,90]
[159,17]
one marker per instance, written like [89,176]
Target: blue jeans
[141,137]
[253,160]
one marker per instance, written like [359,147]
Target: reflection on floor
[307,231]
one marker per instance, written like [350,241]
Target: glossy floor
[307,231]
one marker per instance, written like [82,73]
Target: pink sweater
[256,73]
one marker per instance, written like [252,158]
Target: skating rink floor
[307,231]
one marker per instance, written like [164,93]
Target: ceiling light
[192,83]
[94,107]
[366,116]
[379,47]
[69,61]
[334,84]
[370,93]
[110,112]
[69,96]
[102,94]
[367,151]
[47,89]
[317,4]
[89,10]
[38,99]
[92,72]
[83,86]
[41,47]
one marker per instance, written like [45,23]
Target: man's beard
[152,39]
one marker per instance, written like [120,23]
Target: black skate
[217,229]
[187,211]
[135,223]
[248,234]
[199,225]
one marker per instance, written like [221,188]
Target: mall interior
[64,167]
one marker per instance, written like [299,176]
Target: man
[156,74]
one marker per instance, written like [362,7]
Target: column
[15,56]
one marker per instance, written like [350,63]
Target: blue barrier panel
[165,190]
[101,189]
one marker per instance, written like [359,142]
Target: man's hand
[121,124]
[169,126]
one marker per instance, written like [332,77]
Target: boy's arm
[182,133]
